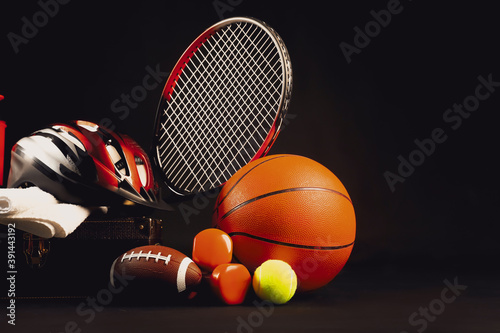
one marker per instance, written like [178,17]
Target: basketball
[289,208]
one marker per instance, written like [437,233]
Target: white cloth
[39,213]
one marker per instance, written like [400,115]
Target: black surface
[358,301]
[355,118]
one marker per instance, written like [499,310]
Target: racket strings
[222,108]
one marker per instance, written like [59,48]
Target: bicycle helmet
[83,163]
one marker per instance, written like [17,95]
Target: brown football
[156,265]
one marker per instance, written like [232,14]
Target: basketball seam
[309,247]
[293,189]
[243,176]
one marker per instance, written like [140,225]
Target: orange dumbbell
[212,247]
[230,282]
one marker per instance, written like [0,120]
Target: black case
[78,265]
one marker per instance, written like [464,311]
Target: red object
[83,155]
[92,139]
[230,282]
[211,248]
[289,208]
[1,97]
[158,265]
[2,146]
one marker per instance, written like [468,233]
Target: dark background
[355,118]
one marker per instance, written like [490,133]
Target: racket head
[223,104]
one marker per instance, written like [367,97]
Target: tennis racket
[223,104]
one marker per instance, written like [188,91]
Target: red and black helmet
[78,161]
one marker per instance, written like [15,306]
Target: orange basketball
[290,208]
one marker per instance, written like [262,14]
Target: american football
[157,265]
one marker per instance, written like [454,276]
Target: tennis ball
[275,281]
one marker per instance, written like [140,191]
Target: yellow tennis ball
[275,281]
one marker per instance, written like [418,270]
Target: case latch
[36,250]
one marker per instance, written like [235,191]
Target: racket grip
[2,145]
